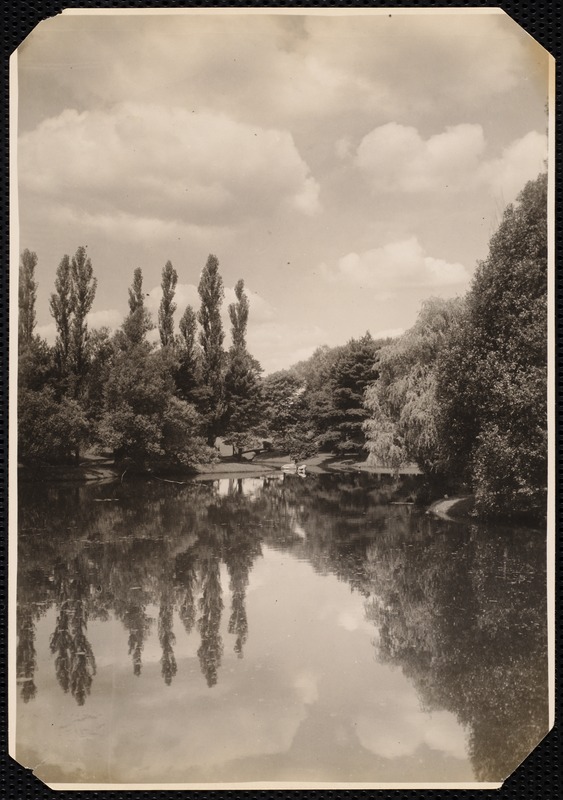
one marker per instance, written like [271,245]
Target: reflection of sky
[307,702]
[250,486]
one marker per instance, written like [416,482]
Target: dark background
[539,778]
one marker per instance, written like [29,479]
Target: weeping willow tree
[404,415]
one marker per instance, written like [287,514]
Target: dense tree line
[158,407]
[462,393]
[165,406]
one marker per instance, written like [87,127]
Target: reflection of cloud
[398,731]
[351,622]
[395,266]
[307,687]
[258,716]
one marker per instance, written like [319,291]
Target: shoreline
[94,469]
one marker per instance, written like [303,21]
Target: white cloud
[163,167]
[110,318]
[397,266]
[396,158]
[520,162]
[47,332]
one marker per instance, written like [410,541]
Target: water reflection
[459,609]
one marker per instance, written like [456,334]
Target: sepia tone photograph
[281,462]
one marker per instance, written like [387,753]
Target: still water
[274,629]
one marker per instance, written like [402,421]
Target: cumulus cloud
[110,318]
[397,158]
[47,332]
[395,266]
[520,162]
[163,166]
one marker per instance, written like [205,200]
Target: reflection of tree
[209,622]
[186,582]
[460,610]
[26,657]
[239,555]
[463,614]
[83,663]
[75,664]
[166,637]
[61,647]
[238,621]
[138,623]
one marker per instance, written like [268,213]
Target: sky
[346,166]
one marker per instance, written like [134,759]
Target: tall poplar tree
[242,386]
[27,293]
[187,373]
[138,323]
[238,314]
[211,338]
[83,291]
[61,306]
[167,305]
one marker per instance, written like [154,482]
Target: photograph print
[281,394]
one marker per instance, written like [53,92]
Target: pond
[317,629]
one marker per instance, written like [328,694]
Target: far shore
[97,468]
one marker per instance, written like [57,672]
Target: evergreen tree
[27,293]
[211,338]
[167,305]
[288,417]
